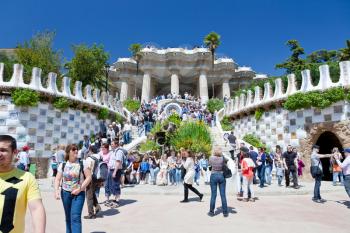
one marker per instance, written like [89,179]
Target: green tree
[8,65]
[212,41]
[322,56]
[344,53]
[88,65]
[39,52]
[214,104]
[294,63]
[135,50]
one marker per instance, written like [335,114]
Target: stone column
[146,87]
[203,86]
[226,88]
[175,83]
[124,91]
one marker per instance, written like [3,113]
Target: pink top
[105,157]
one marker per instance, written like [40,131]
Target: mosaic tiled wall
[282,127]
[43,127]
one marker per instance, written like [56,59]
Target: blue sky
[253,32]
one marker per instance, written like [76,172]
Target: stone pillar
[146,87]
[203,86]
[226,88]
[124,90]
[175,83]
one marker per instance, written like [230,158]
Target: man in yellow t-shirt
[18,189]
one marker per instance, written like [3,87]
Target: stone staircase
[218,140]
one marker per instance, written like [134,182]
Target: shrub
[258,113]
[119,118]
[149,145]
[61,103]
[25,97]
[194,136]
[103,114]
[253,140]
[215,104]
[174,118]
[226,124]
[132,105]
[315,99]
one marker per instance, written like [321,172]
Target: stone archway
[341,131]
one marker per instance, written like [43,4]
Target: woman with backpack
[75,177]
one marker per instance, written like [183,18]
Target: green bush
[119,118]
[194,136]
[226,125]
[149,145]
[132,105]
[315,99]
[258,113]
[174,118]
[253,140]
[61,103]
[25,97]
[215,104]
[103,114]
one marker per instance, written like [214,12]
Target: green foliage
[25,97]
[61,103]
[194,136]
[135,50]
[212,41]
[8,65]
[39,52]
[149,145]
[88,65]
[226,125]
[131,105]
[119,118]
[253,140]
[315,99]
[258,113]
[157,127]
[103,114]
[215,104]
[294,63]
[174,118]
[344,53]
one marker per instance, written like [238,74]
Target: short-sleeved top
[60,156]
[23,157]
[216,163]
[17,188]
[72,177]
[315,160]
[116,155]
[289,157]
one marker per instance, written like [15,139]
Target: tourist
[172,167]
[204,167]
[290,163]
[27,193]
[179,168]
[301,166]
[114,173]
[74,177]
[317,173]
[162,177]
[232,140]
[261,162]
[268,168]
[337,171]
[92,161]
[247,173]
[110,134]
[189,176]
[144,170]
[239,178]
[278,161]
[197,170]
[60,154]
[23,159]
[154,168]
[127,133]
[105,154]
[345,165]
[217,179]
[135,171]
[254,156]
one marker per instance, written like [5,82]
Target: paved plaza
[155,209]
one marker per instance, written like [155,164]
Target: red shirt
[246,170]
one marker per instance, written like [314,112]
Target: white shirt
[127,127]
[345,165]
[23,157]
[117,155]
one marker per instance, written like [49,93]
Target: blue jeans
[268,176]
[197,175]
[172,176]
[126,137]
[147,127]
[178,176]
[261,174]
[317,194]
[336,176]
[217,179]
[347,184]
[73,206]
[112,186]
[153,173]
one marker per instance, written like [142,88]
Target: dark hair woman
[75,178]
[189,177]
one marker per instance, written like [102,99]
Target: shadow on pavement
[98,232]
[346,203]
[231,210]
[109,212]
[124,202]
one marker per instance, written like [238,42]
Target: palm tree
[212,41]
[135,50]
[345,52]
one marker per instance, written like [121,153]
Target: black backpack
[100,170]
[125,158]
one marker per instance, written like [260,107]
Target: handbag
[316,171]
[226,171]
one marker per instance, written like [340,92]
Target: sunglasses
[74,149]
